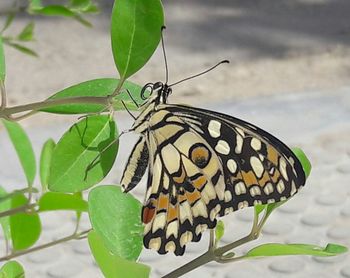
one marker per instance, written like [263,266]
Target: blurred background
[288,73]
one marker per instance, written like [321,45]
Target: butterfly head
[162,91]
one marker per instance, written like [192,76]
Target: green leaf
[5,204]
[276,249]
[135,33]
[305,162]
[23,148]
[96,88]
[35,5]
[259,208]
[113,266]
[8,22]
[62,201]
[2,62]
[115,217]
[27,33]
[25,227]
[81,158]
[45,162]
[22,49]
[53,10]
[12,269]
[219,230]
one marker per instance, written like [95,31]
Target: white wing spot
[257,166]
[243,204]
[294,189]
[283,168]
[255,191]
[268,189]
[214,128]
[256,144]
[170,246]
[280,187]
[228,196]
[222,147]
[240,188]
[240,131]
[239,144]
[232,166]
[155,243]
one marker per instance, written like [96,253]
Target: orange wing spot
[163,202]
[172,213]
[148,214]
[265,178]
[249,178]
[200,156]
[272,155]
[199,182]
[181,198]
[193,196]
[181,178]
[276,176]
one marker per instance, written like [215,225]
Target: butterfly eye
[200,155]
[157,85]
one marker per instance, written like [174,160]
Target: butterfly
[202,165]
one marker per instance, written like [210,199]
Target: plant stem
[43,246]
[13,211]
[3,95]
[16,192]
[9,111]
[197,262]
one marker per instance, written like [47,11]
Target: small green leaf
[135,33]
[22,49]
[35,5]
[45,162]
[23,148]
[113,266]
[25,227]
[276,249]
[96,88]
[2,62]
[5,204]
[12,269]
[305,162]
[259,208]
[53,10]
[81,158]
[62,201]
[219,230]
[27,33]
[8,22]
[115,217]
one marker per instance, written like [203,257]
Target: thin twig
[13,211]
[3,95]
[35,106]
[43,246]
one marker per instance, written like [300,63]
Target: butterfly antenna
[164,54]
[201,73]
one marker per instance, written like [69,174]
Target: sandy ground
[274,46]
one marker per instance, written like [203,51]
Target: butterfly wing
[258,168]
[182,199]
[204,164]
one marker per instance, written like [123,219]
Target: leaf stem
[35,106]
[13,211]
[43,246]
[3,95]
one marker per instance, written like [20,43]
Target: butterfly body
[202,165]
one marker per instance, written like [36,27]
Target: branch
[43,246]
[13,211]
[8,112]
